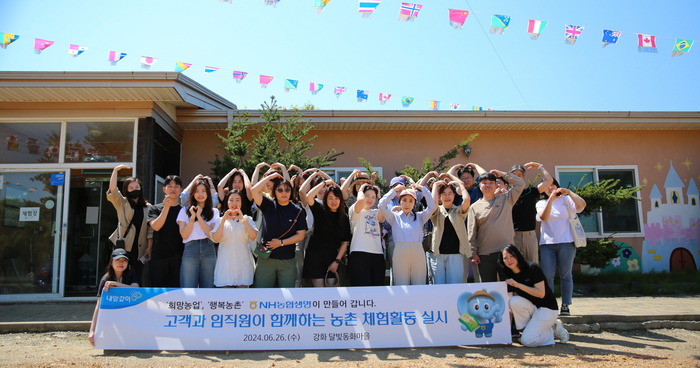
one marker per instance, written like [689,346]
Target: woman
[449,241]
[367,265]
[331,234]
[117,274]
[185,194]
[285,225]
[235,265]
[132,213]
[531,301]
[408,259]
[237,180]
[556,241]
[196,221]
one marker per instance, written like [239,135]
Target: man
[166,251]
[524,212]
[490,224]
[467,173]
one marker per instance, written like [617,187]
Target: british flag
[571,34]
[339,91]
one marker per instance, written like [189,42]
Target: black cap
[120,253]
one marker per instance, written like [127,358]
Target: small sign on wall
[58,179]
[29,213]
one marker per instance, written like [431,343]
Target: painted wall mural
[627,260]
[672,229]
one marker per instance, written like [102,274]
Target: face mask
[134,194]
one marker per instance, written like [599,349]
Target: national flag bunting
[320,4]
[457,18]
[535,27]
[477,108]
[362,95]
[265,80]
[434,105]
[115,56]
[499,23]
[290,84]
[337,91]
[647,43]
[406,101]
[181,67]
[76,50]
[147,62]
[315,88]
[41,45]
[454,106]
[7,39]
[209,70]
[238,75]
[409,12]
[681,47]
[571,34]
[610,37]
[383,98]
[272,2]
[367,7]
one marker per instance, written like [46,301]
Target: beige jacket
[125,213]
[457,218]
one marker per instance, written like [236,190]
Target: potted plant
[596,254]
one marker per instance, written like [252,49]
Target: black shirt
[524,211]
[137,220]
[529,276]
[167,242]
[449,244]
[132,279]
[279,219]
[328,233]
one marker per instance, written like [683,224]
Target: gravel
[652,348]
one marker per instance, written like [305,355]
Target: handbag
[337,277]
[262,251]
[577,231]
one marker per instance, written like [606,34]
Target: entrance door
[681,259]
[91,221]
[30,232]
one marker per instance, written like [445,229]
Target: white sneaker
[560,332]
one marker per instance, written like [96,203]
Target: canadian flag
[647,40]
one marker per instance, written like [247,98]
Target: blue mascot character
[480,310]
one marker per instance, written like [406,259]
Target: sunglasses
[284,190]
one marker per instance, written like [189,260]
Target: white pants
[447,268]
[538,323]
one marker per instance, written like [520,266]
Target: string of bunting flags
[408,12]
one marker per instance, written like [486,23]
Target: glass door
[30,231]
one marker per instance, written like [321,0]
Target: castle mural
[672,229]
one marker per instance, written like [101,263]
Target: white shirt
[234,263]
[367,235]
[556,229]
[197,232]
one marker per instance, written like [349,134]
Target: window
[99,142]
[623,219]
[30,142]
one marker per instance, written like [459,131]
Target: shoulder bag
[262,251]
[577,231]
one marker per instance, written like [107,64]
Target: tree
[440,165]
[604,194]
[280,139]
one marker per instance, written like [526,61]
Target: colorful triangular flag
[477,108]
[238,75]
[362,95]
[647,43]
[147,62]
[209,70]
[535,27]
[434,105]
[406,101]
[7,39]
[76,50]
[571,34]
[454,106]
[181,67]
[320,4]
[457,18]
[290,84]
[681,47]
[339,91]
[383,98]
[367,7]
[499,23]
[41,45]
[610,37]
[272,2]
[115,56]
[409,12]
[315,88]
[265,80]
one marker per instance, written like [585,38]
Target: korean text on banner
[303,319]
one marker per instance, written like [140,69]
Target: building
[53,242]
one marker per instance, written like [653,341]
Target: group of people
[279,230]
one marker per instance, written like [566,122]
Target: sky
[425,59]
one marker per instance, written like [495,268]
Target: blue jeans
[448,268]
[198,263]
[562,255]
